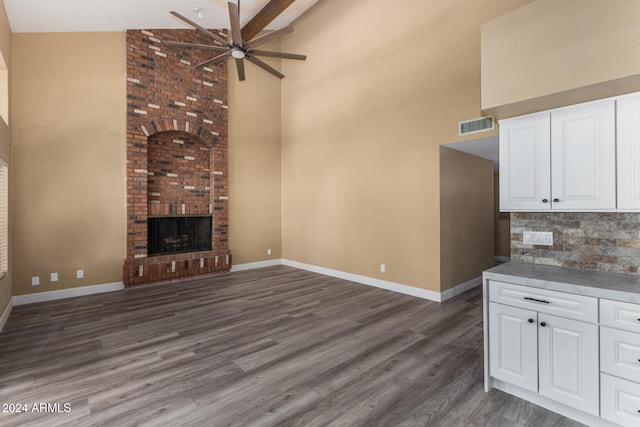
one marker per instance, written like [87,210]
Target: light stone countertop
[613,286]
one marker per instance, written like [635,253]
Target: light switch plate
[542,238]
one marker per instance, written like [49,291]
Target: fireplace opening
[170,235]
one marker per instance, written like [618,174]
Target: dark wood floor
[269,347]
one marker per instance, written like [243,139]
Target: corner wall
[362,121]
[466,217]
[254,164]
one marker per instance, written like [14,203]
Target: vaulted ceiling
[26,16]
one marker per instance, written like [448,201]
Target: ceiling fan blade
[265,66]
[270,54]
[234,18]
[200,28]
[264,17]
[240,67]
[196,45]
[272,35]
[213,60]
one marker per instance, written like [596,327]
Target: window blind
[4,216]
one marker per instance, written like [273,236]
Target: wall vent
[481,124]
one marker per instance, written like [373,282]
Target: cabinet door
[513,345]
[620,401]
[568,362]
[628,148]
[583,162]
[525,169]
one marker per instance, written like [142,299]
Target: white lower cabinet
[568,362]
[513,339]
[620,401]
[620,362]
[545,354]
[565,346]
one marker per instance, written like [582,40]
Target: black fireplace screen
[168,235]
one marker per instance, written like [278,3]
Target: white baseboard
[67,293]
[462,287]
[258,264]
[5,314]
[365,280]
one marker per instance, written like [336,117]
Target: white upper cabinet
[525,169]
[583,157]
[562,160]
[628,116]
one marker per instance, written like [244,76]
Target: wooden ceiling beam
[263,18]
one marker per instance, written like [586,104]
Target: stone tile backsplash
[594,241]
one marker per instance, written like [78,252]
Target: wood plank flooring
[270,347]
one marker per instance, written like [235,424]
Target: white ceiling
[487,148]
[36,16]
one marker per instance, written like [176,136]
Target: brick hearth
[176,151]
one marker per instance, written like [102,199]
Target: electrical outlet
[35,281]
[383,268]
[269,251]
[54,277]
[79,274]
[543,238]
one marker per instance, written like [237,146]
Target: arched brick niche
[176,153]
[178,175]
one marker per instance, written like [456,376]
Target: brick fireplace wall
[176,151]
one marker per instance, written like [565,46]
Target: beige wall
[501,223]
[5,151]
[552,53]
[466,217]
[68,174]
[254,164]
[363,119]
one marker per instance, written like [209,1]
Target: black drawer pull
[539,300]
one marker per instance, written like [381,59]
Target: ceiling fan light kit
[239,48]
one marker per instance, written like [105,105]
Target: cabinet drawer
[620,353]
[620,400]
[621,315]
[561,304]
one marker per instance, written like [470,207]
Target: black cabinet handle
[556,200]
[545,200]
[539,300]
[543,324]
[531,321]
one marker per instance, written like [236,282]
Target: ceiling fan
[243,44]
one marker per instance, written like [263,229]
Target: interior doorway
[488,148]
